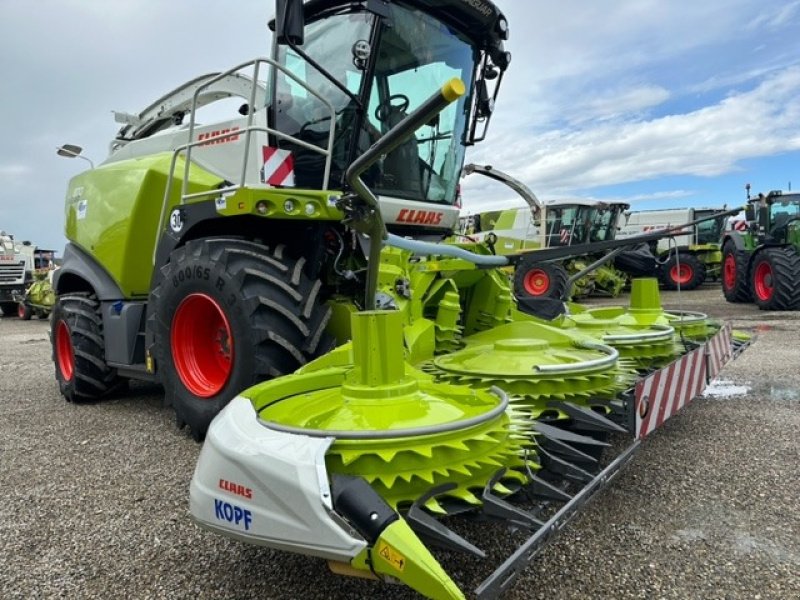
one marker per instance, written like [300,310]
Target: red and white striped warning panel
[663,393]
[739,225]
[564,235]
[278,169]
[720,350]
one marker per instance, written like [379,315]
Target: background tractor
[688,258]
[550,224]
[762,261]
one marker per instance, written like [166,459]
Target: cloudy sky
[658,103]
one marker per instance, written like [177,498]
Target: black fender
[80,272]
[737,240]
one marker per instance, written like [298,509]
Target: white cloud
[705,142]
[12,170]
[773,18]
[609,104]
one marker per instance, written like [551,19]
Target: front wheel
[228,314]
[683,271]
[9,308]
[735,284]
[534,279]
[775,275]
[76,333]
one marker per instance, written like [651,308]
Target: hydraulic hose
[430,248]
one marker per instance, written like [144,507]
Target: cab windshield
[708,232]
[784,208]
[416,56]
[409,57]
[568,224]
[604,224]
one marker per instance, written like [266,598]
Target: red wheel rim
[21,310]
[202,345]
[65,355]
[763,281]
[729,272]
[536,282]
[681,274]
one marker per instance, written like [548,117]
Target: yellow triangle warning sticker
[391,556]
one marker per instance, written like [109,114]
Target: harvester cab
[762,262]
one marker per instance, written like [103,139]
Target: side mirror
[289,22]
[485,105]
[749,213]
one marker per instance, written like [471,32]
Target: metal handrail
[247,131]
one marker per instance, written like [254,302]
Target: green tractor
[762,262]
[283,275]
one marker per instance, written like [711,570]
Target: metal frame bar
[502,578]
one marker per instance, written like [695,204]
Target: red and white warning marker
[739,225]
[665,392]
[278,168]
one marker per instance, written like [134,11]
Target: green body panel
[113,211]
[707,253]
[793,234]
[40,293]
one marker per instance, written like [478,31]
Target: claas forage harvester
[283,275]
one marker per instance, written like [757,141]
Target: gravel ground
[93,499]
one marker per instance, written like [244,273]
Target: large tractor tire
[226,315]
[684,271]
[776,279]
[735,283]
[76,332]
[539,280]
[9,308]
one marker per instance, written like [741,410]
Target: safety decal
[391,556]
[278,168]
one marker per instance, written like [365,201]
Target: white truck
[16,271]
[685,260]
[18,262]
